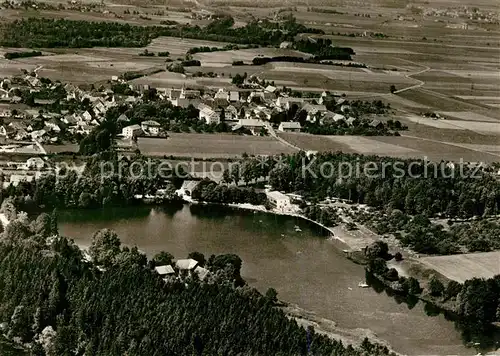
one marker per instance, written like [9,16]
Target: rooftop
[162,270]
[188,264]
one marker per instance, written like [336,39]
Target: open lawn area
[211,146]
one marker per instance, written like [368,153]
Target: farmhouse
[132,130]
[278,200]
[289,126]
[150,127]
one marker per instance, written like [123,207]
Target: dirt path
[409,76]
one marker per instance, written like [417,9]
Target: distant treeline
[324,11]
[14,55]
[322,49]
[51,33]
[258,61]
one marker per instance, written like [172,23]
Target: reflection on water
[305,268]
[483,338]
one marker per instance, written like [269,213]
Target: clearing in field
[463,267]
[211,146]
[246,55]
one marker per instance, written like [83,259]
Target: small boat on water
[362,285]
[297,229]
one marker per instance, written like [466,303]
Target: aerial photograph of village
[247,178]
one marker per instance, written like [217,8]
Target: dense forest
[54,299]
[50,33]
[424,236]
[412,186]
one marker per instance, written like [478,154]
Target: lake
[305,267]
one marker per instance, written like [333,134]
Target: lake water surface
[305,268]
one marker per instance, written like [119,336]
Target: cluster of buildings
[15,172]
[187,267]
[464,12]
[253,110]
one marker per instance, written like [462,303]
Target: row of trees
[63,305]
[209,191]
[14,55]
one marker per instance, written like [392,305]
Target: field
[463,267]
[211,146]
[403,147]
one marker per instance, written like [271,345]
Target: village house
[254,125]
[313,110]
[131,131]
[222,95]
[285,103]
[234,96]
[53,125]
[289,126]
[86,116]
[5,113]
[35,163]
[262,112]
[150,127]
[230,113]
[278,200]
[69,120]
[208,115]
[38,135]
